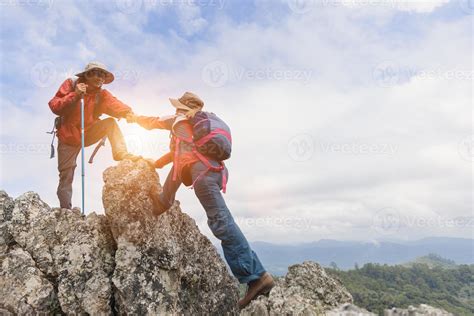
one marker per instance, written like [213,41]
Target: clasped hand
[131,117]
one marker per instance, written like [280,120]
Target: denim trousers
[240,257]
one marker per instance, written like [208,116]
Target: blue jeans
[242,260]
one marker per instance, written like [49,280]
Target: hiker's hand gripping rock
[81,89]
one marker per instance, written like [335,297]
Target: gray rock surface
[164,265]
[305,290]
[125,262]
[421,310]
[71,253]
[349,309]
[129,262]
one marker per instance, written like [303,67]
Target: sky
[350,119]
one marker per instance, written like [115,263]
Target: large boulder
[67,253]
[125,262]
[305,290]
[164,265]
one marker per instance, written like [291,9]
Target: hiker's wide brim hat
[188,101]
[109,77]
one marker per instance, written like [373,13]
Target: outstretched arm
[110,105]
[151,122]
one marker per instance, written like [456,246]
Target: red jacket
[66,103]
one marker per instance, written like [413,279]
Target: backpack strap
[217,131]
[210,167]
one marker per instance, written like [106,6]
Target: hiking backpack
[211,140]
[211,136]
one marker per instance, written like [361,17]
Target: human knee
[221,226]
[110,122]
[67,175]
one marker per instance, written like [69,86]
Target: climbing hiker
[199,143]
[97,101]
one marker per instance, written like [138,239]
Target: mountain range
[347,254]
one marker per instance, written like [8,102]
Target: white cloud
[383,115]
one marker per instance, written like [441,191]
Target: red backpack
[211,140]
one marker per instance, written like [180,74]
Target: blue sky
[351,119]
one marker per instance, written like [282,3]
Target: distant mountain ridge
[346,254]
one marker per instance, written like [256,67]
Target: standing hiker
[97,101]
[208,176]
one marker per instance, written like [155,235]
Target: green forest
[377,287]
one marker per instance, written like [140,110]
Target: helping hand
[131,117]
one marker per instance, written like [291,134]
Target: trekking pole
[82,152]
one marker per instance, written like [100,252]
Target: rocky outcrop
[305,290]
[164,265]
[422,310]
[348,309]
[68,259]
[58,261]
[129,262]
